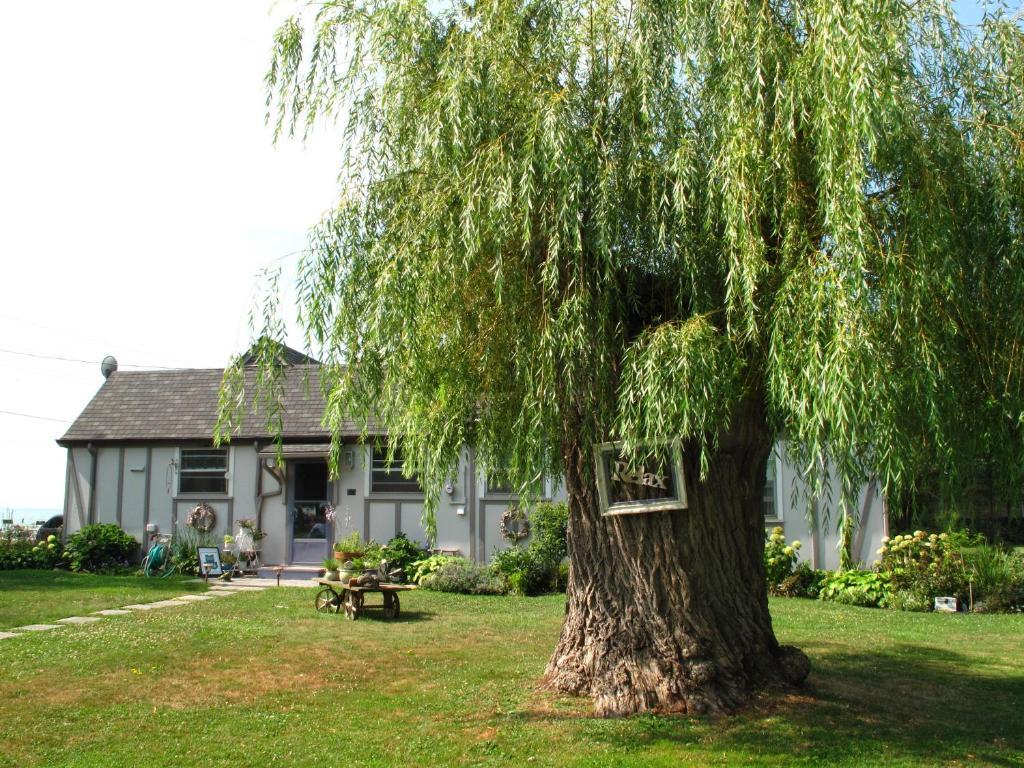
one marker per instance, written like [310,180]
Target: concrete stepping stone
[113,612]
[5,635]
[139,607]
[191,598]
[167,604]
[37,627]
[79,620]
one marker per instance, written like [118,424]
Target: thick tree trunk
[668,611]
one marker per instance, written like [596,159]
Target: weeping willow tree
[702,223]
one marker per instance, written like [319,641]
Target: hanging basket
[202,518]
[514,525]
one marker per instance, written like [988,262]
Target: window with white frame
[387,477]
[203,470]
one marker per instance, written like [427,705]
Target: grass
[35,597]
[260,679]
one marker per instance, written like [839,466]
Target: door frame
[290,515]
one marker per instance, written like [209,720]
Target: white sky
[140,195]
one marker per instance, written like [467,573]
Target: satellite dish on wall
[108,366]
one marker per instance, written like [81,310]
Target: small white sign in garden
[945,605]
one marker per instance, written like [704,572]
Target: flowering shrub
[18,552]
[779,559]
[923,566]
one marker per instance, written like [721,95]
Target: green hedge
[101,548]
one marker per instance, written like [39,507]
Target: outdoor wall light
[350,459]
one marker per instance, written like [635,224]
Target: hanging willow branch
[618,219]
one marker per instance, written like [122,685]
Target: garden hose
[157,559]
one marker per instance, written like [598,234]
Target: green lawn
[34,597]
[260,679]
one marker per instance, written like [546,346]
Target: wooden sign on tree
[649,481]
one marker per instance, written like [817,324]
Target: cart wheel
[353,604]
[327,601]
[392,607]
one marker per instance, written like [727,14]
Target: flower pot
[343,554]
[332,576]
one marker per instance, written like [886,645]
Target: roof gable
[287,356]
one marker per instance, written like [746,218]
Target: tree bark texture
[668,611]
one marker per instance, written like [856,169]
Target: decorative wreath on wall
[202,518]
[514,525]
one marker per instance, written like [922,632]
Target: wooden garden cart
[334,596]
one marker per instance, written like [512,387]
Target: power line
[87,362]
[32,416]
[80,336]
[13,371]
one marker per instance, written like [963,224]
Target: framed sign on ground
[209,561]
[649,480]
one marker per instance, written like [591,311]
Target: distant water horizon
[27,515]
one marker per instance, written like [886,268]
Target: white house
[140,455]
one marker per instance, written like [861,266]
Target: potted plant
[331,569]
[247,530]
[351,569]
[227,562]
[349,548]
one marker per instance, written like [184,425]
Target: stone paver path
[217,589]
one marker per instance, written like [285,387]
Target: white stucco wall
[467,519]
[106,485]
[796,513]
[134,492]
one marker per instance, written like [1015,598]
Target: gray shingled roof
[181,405]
